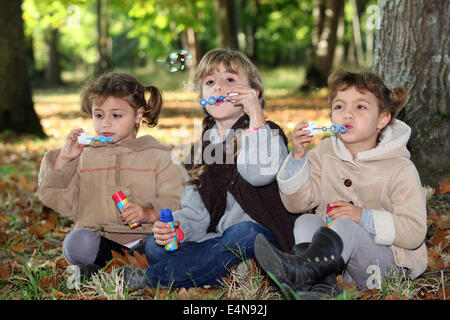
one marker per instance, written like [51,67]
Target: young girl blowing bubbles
[78,180]
[378,213]
[231,195]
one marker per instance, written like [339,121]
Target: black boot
[301,272]
[324,286]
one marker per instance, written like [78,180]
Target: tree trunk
[16,104]
[190,42]
[357,34]
[324,41]
[53,69]
[412,50]
[103,39]
[227,23]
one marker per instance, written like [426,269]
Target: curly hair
[124,86]
[391,101]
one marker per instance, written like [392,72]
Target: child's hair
[233,61]
[125,86]
[388,101]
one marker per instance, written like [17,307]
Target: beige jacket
[382,179]
[83,189]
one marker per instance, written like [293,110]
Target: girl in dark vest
[231,193]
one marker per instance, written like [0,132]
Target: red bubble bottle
[121,201]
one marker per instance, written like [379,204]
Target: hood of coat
[138,144]
[392,145]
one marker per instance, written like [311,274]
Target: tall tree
[227,23]
[16,104]
[324,42]
[103,38]
[53,67]
[412,49]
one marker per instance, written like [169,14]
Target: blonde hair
[233,61]
[124,86]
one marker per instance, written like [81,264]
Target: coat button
[347,182]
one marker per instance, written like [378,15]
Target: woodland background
[49,49]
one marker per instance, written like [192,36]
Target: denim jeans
[202,263]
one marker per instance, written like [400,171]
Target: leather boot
[301,272]
[324,286]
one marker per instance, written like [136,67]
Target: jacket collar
[392,145]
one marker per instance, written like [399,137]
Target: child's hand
[345,209]
[300,140]
[249,100]
[163,233]
[133,212]
[71,148]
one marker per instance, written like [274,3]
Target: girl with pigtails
[78,180]
[364,182]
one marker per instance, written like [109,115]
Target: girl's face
[115,118]
[219,83]
[359,113]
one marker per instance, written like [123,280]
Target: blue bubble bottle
[165,215]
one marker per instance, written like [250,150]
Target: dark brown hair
[388,101]
[125,86]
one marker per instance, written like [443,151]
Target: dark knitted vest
[262,204]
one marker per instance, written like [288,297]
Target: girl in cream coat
[378,209]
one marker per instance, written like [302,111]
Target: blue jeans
[202,263]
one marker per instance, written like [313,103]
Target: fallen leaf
[58,294]
[18,246]
[443,222]
[395,296]
[444,187]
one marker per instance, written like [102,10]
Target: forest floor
[32,265]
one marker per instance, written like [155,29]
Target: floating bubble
[179,60]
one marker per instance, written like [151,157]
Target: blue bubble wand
[85,138]
[212,100]
[334,128]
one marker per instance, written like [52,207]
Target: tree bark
[103,39]
[16,105]
[189,41]
[412,50]
[53,69]
[227,23]
[324,42]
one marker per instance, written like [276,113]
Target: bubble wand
[333,128]
[212,100]
[85,138]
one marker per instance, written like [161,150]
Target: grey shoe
[134,278]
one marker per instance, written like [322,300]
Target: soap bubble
[179,60]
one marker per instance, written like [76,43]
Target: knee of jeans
[152,249]
[81,246]
[248,228]
[149,243]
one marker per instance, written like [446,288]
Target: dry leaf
[443,222]
[444,187]
[18,246]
